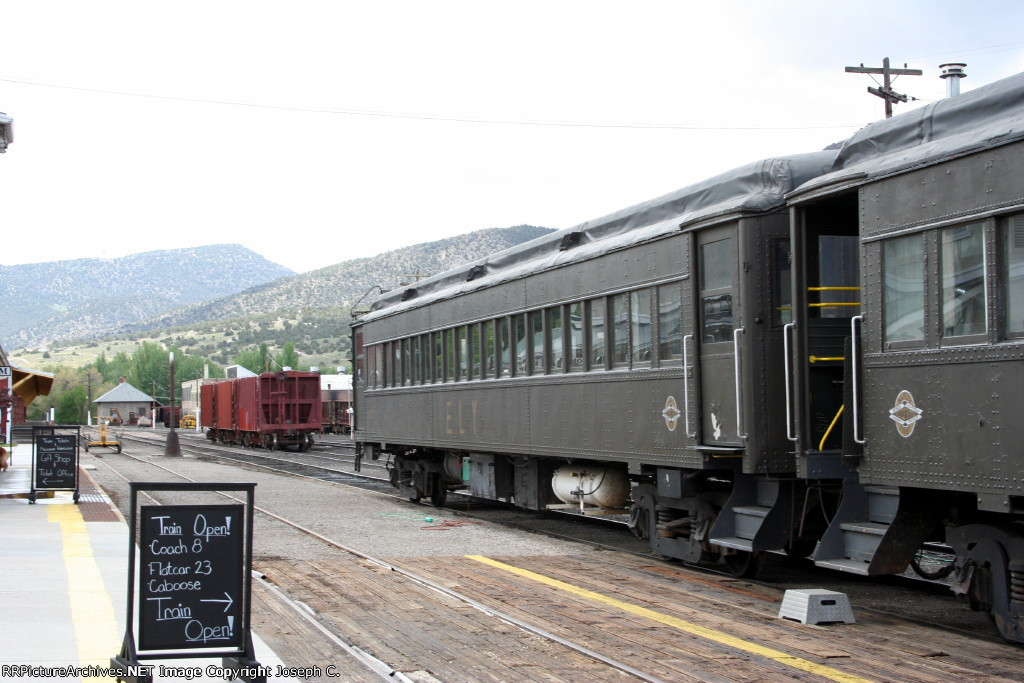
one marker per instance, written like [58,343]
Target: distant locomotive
[272,410]
[821,354]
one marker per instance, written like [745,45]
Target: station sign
[189,581]
[55,461]
[190,577]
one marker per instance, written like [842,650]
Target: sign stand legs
[128,661]
[244,666]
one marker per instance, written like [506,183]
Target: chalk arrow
[229,601]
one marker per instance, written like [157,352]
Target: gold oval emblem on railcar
[671,413]
[905,414]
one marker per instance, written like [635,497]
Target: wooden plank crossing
[416,629]
[669,622]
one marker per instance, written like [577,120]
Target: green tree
[149,364]
[288,358]
[72,407]
[253,359]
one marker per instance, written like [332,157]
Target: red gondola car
[271,410]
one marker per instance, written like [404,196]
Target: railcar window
[537,341]
[424,363]
[620,329]
[782,291]
[640,325]
[449,354]
[522,345]
[505,348]
[474,349]
[462,352]
[555,339]
[575,325]
[963,280]
[389,365]
[397,360]
[438,339]
[378,370]
[408,361]
[716,273]
[359,354]
[596,309]
[670,322]
[903,287]
[1013,274]
[371,368]
[488,354]
[838,276]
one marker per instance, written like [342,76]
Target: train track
[333,460]
[286,465]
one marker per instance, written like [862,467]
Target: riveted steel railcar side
[822,354]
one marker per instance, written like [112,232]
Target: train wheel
[273,442]
[744,563]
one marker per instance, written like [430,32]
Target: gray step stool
[816,606]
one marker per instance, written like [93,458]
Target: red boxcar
[271,410]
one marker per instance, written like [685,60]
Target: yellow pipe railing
[821,446]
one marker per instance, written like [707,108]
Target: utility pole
[885,92]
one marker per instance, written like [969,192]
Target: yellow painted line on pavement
[92,612]
[681,624]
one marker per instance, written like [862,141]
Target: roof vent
[409,294]
[475,272]
[952,73]
[570,240]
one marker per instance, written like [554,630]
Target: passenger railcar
[821,354]
[272,410]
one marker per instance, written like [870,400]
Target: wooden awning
[29,383]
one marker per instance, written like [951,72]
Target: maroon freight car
[336,411]
[271,410]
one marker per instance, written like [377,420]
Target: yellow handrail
[833,289]
[821,446]
[838,303]
[815,359]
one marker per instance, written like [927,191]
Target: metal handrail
[739,387]
[855,397]
[686,388]
[786,330]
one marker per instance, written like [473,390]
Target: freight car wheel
[438,497]
[744,564]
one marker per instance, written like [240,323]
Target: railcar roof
[982,118]
[754,188]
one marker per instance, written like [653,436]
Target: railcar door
[717,332]
[826,293]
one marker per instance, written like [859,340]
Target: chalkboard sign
[191,567]
[56,466]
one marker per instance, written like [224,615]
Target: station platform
[63,586]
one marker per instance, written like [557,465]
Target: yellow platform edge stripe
[92,612]
[681,624]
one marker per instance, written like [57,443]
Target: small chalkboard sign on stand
[194,577]
[55,459]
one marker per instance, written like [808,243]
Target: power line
[421,116]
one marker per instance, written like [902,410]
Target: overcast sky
[317,132]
